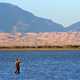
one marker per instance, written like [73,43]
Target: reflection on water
[41,65]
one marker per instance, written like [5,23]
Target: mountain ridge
[15,19]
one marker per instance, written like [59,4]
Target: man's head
[17,59]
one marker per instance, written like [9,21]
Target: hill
[74,27]
[13,18]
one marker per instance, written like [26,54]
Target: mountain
[13,18]
[74,27]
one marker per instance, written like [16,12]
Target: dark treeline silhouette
[48,46]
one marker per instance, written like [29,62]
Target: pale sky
[64,12]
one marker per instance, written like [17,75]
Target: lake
[40,65]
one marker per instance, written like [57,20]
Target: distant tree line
[39,46]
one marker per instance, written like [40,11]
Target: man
[17,66]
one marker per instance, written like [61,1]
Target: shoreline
[37,49]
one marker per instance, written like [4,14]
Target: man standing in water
[17,66]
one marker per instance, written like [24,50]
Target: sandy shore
[36,49]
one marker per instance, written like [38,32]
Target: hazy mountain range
[13,18]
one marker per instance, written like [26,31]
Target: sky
[65,12]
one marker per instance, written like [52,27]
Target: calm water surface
[40,65]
